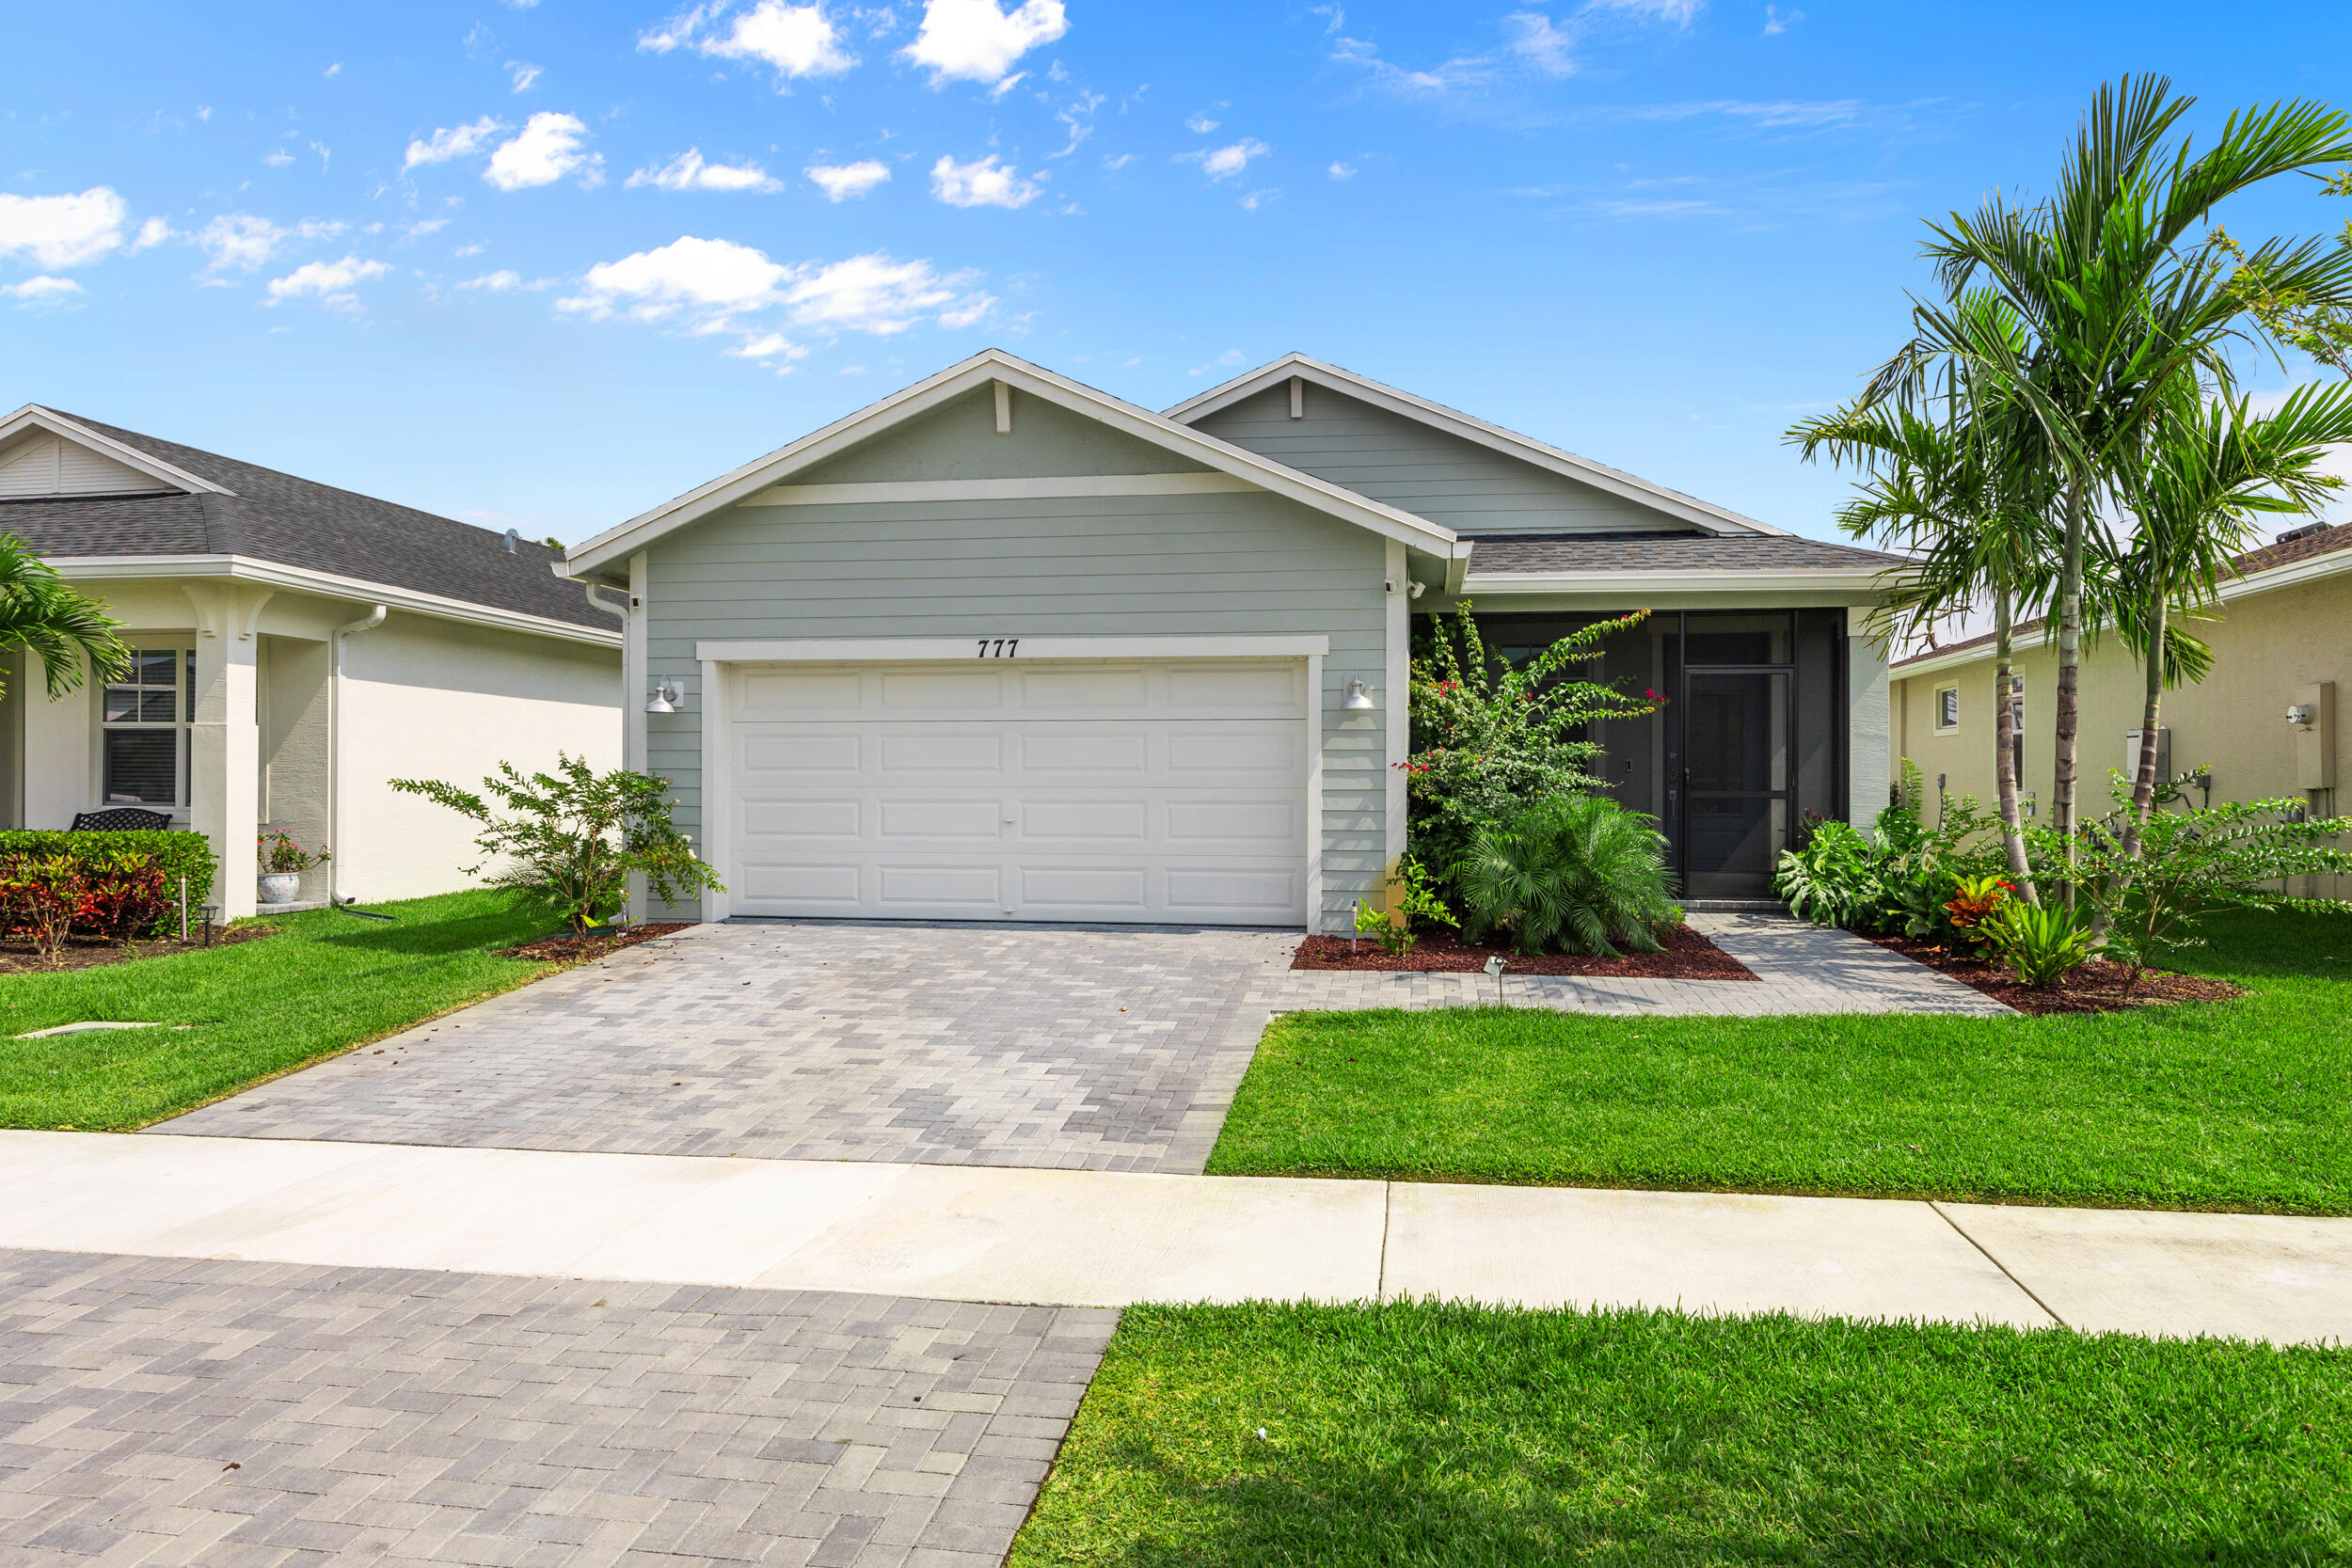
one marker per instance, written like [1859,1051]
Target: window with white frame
[143,730]
[1947,707]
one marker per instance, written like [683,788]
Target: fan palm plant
[2119,307]
[64,629]
[1577,870]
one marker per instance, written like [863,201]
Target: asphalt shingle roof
[1668,552]
[296,522]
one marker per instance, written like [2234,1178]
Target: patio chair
[120,819]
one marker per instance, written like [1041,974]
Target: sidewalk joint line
[1998,1264]
[1387,1208]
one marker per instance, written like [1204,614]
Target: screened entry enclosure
[1749,739]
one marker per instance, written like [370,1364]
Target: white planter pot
[280,887]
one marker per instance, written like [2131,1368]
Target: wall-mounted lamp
[664,699]
[2302,715]
[1358,698]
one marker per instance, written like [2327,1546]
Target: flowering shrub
[124,897]
[120,897]
[278,852]
[1975,903]
[1487,738]
[38,897]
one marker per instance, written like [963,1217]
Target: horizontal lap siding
[1429,472]
[1238,563]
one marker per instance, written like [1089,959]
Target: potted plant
[284,861]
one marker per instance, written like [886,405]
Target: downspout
[373,619]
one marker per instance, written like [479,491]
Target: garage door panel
[802,819]
[1119,792]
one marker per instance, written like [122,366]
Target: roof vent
[2304,533]
[508,543]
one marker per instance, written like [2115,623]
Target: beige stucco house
[297,647]
[2282,640]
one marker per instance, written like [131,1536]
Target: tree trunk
[2005,742]
[2144,776]
[2068,718]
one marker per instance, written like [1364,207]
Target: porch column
[225,737]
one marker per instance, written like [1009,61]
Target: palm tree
[2118,307]
[62,628]
[1961,482]
[2212,467]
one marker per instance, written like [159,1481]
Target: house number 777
[1001,647]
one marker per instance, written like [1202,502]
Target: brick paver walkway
[1069,1047]
[241,1415]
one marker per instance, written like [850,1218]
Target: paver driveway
[1078,1048]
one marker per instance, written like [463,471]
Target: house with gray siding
[1004,647]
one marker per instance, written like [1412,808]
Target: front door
[1736,779]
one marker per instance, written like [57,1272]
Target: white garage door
[1004,790]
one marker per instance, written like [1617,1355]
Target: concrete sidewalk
[1097,1239]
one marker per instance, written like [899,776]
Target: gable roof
[1572,553]
[1702,515]
[218,507]
[997,365]
[2322,552]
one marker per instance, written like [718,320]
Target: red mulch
[2097,987]
[18,957]
[1688,957]
[580,949]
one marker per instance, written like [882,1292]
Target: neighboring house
[297,647]
[2281,640]
[1004,647]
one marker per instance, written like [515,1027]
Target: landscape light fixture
[1357,699]
[665,698]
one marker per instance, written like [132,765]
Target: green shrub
[2043,943]
[1832,877]
[1577,870]
[38,897]
[175,853]
[1901,876]
[1488,739]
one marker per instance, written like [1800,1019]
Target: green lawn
[1417,1434]
[327,982]
[2238,1105]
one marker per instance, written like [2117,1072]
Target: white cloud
[243,241]
[154,232]
[1465,71]
[278,158]
[458,141]
[1223,162]
[1677,13]
[335,70]
[1116,163]
[524,73]
[973,40]
[798,40]
[982,182]
[840,181]
[1227,360]
[328,282]
[35,293]
[62,231]
[707,287]
[1777,21]
[1342,171]
[1199,124]
[1535,39]
[546,148]
[497,282]
[689,172]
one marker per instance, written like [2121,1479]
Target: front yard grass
[2235,1105]
[326,983]
[1425,1434]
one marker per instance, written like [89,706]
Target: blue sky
[544,265]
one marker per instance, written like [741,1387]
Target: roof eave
[956,380]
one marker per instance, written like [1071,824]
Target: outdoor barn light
[664,699]
[1357,698]
[2302,715]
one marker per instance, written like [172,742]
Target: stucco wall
[434,699]
[2266,645]
[1121,565]
[295,714]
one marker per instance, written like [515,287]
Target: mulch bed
[2097,987]
[564,950]
[18,957]
[1688,957]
